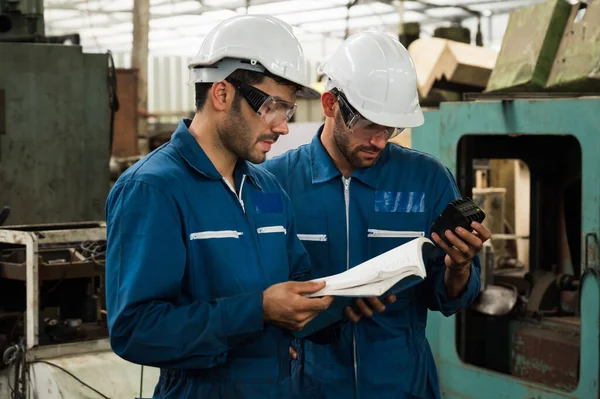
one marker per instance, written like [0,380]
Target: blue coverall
[187,262]
[344,222]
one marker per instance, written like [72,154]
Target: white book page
[398,262]
[373,289]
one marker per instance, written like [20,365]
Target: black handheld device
[461,213]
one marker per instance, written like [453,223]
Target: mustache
[368,149]
[268,137]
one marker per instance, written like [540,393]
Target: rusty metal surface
[591,250]
[530,43]
[58,236]
[57,117]
[32,286]
[55,226]
[14,236]
[125,138]
[2,112]
[11,271]
[31,240]
[576,65]
[548,356]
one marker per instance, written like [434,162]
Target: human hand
[285,307]
[293,353]
[465,245]
[367,306]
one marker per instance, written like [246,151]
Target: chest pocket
[386,231]
[272,233]
[312,232]
[215,246]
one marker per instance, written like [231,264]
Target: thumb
[306,287]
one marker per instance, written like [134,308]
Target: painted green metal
[54,151]
[20,19]
[439,136]
[577,63]
[529,46]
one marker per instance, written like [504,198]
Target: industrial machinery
[53,334]
[56,109]
[533,332]
[21,20]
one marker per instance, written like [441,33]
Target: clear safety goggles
[359,125]
[274,111]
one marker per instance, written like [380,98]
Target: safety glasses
[359,125]
[273,111]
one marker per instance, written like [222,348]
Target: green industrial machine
[55,122]
[21,20]
[543,341]
[56,109]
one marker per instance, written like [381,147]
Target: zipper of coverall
[241,201]
[347,201]
[239,197]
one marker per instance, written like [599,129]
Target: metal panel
[125,139]
[54,159]
[2,112]
[547,354]
[529,45]
[577,62]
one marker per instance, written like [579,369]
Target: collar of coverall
[323,169]
[196,158]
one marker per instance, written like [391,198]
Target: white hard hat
[377,76]
[255,43]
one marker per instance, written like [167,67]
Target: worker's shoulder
[411,157]
[288,161]
[161,169]
[265,178]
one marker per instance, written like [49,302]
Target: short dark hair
[245,76]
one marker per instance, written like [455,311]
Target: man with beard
[201,244]
[355,196]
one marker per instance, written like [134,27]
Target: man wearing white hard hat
[355,196]
[202,248]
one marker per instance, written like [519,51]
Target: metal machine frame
[579,117]
[31,239]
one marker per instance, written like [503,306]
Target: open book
[380,274]
[389,273]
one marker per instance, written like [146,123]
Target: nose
[378,141]
[282,128]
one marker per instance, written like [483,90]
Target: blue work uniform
[344,222]
[187,262]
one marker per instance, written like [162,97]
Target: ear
[328,102]
[219,95]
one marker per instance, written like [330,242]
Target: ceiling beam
[326,7]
